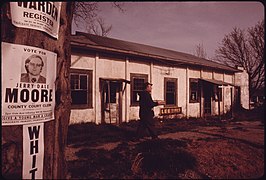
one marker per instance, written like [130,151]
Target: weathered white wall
[193,108]
[181,85]
[227,99]
[229,78]
[102,68]
[135,67]
[241,79]
[218,76]
[111,68]
[122,68]
[82,116]
[107,68]
[159,73]
[206,74]
[79,61]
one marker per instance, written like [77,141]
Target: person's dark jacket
[146,104]
[25,77]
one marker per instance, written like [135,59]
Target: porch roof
[115,80]
[213,81]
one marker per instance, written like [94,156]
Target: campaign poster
[33,151]
[28,84]
[39,15]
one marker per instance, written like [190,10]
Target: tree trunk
[55,131]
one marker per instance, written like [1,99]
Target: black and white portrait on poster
[33,69]
[28,89]
[39,15]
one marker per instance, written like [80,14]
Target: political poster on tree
[28,84]
[39,15]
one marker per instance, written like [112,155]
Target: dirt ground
[187,149]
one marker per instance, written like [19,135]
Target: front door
[111,102]
[237,103]
[207,93]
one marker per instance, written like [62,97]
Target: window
[170,86]
[81,88]
[137,81]
[194,92]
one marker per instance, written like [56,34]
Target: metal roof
[115,45]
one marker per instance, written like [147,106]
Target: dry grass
[195,148]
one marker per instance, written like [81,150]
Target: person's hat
[146,84]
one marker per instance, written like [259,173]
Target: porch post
[219,108]
[187,92]
[126,92]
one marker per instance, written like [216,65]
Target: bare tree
[200,51]
[246,49]
[55,131]
[256,40]
[100,28]
[86,14]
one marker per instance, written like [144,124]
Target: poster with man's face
[33,69]
[28,89]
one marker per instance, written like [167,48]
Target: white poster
[28,84]
[33,151]
[43,15]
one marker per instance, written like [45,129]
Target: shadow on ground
[148,159]
[113,152]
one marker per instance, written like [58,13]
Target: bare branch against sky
[179,25]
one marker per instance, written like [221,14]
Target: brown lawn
[193,148]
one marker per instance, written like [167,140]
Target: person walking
[146,112]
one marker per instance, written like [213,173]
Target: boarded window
[137,83]
[170,86]
[81,88]
[194,92]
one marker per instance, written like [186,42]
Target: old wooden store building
[107,75]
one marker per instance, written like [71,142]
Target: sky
[179,26]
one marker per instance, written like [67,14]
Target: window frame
[175,80]
[194,80]
[132,77]
[89,74]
